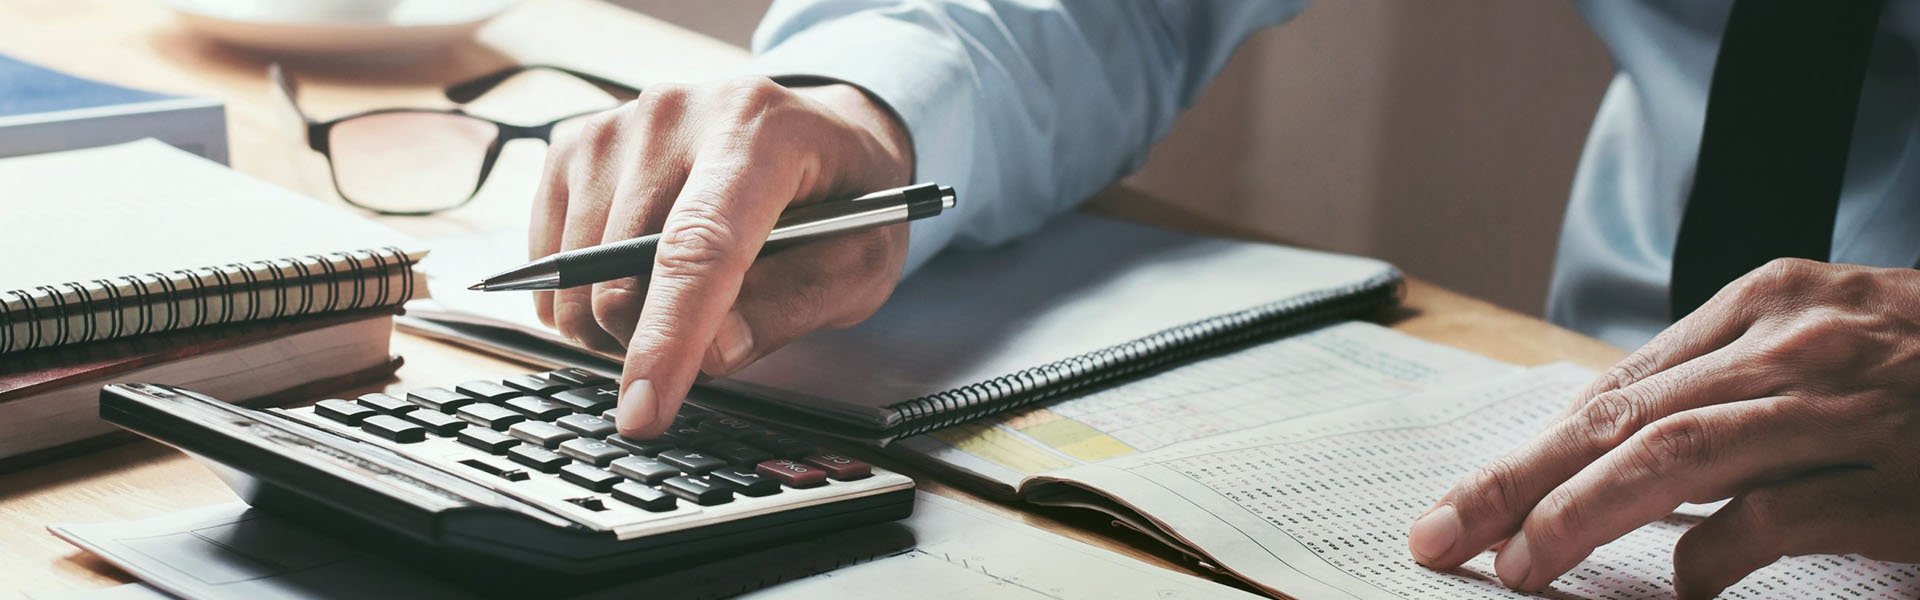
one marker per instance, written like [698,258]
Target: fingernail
[1513,562]
[730,346]
[636,407]
[1434,533]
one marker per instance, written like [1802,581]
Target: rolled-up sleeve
[1026,107]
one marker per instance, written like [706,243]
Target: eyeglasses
[420,161]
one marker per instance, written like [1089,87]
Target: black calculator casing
[497,547]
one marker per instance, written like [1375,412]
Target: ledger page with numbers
[1318,507]
[1328,368]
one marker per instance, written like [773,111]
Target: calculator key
[747,482]
[591,451]
[487,390]
[392,428]
[540,433]
[539,458]
[496,467]
[343,411]
[792,472]
[386,404]
[537,407]
[640,447]
[840,467]
[537,383]
[440,399]
[738,453]
[578,376]
[589,502]
[492,416]
[641,468]
[732,428]
[784,446]
[436,422]
[493,442]
[685,421]
[692,461]
[689,436]
[696,413]
[589,477]
[587,425]
[590,400]
[699,491]
[644,497]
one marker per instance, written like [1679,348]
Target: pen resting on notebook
[634,257]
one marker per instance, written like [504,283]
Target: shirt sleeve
[1025,107]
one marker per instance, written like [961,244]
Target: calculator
[519,486]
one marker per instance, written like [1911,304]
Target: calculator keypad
[551,435]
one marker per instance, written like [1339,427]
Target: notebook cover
[32,89]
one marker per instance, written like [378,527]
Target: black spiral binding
[1161,349]
[80,312]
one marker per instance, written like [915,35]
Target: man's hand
[1795,391]
[711,167]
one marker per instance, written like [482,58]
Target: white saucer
[393,29]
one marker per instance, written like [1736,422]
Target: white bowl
[392,29]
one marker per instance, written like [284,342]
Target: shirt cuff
[916,73]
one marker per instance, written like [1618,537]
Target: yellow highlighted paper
[1021,441]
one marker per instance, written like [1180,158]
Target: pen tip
[478,287]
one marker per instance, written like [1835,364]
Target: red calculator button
[840,467]
[791,472]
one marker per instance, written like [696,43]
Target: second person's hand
[711,167]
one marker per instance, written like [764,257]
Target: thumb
[1816,514]
[829,284]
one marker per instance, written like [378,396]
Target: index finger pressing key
[712,234]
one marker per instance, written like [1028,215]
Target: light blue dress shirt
[1030,106]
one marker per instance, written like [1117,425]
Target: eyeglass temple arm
[466,91]
[289,92]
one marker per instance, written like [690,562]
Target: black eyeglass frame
[319,132]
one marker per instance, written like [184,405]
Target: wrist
[868,113]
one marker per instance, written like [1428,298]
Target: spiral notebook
[142,238]
[1084,302]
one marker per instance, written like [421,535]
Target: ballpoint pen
[634,257]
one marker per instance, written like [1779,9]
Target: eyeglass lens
[409,161]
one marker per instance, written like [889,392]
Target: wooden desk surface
[136,43]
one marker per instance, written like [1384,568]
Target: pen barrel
[632,258]
[635,257]
[831,219]
[799,224]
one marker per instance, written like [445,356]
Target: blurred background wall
[1439,136]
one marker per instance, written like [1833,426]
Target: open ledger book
[1318,506]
